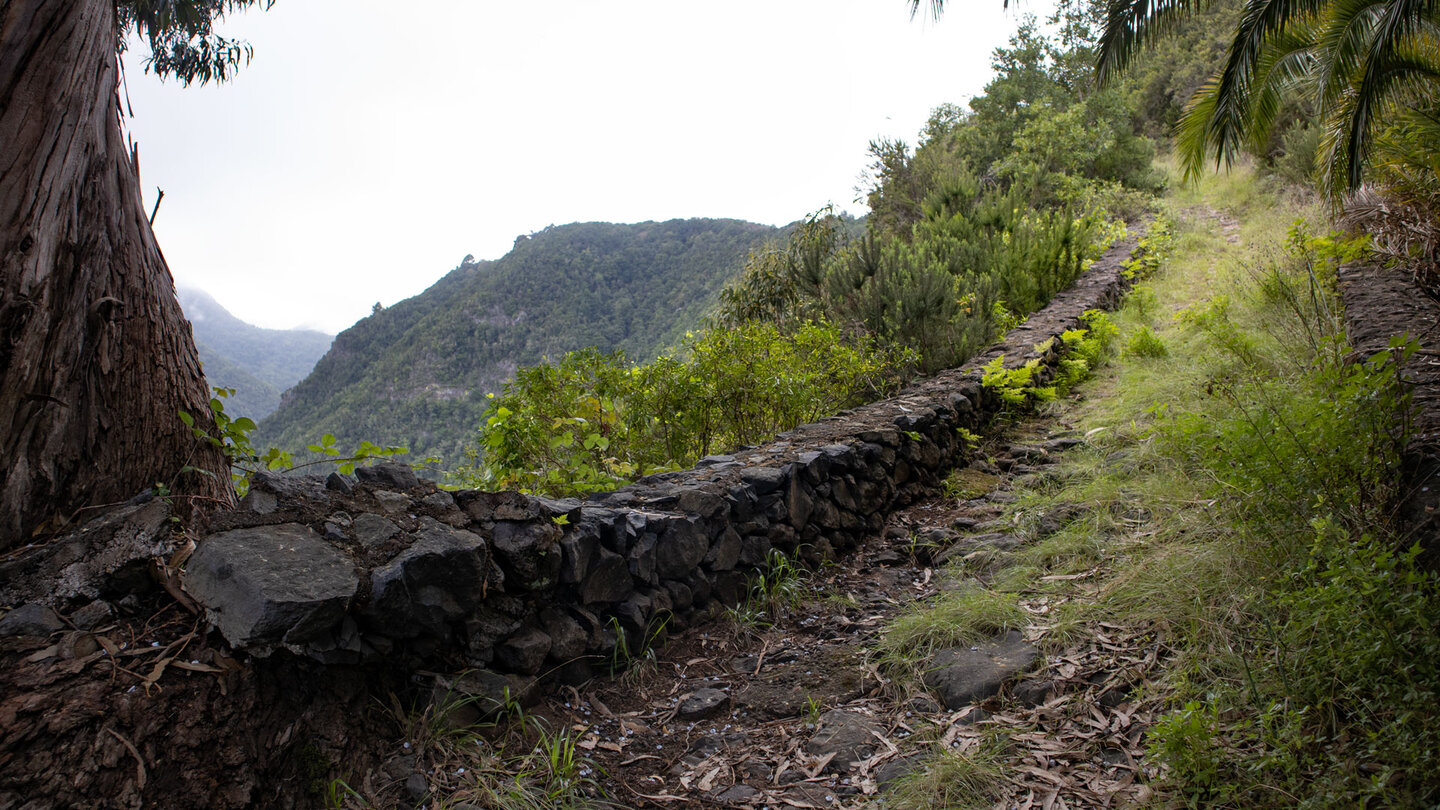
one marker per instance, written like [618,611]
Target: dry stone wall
[348,571]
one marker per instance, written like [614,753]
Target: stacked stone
[352,570]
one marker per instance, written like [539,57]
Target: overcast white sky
[369,146]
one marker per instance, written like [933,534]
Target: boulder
[567,638]
[371,530]
[271,585]
[524,652]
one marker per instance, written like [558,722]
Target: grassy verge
[1232,498]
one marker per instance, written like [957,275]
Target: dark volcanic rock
[702,703]
[271,584]
[371,530]
[529,552]
[849,736]
[681,548]
[608,580]
[31,620]
[524,652]
[438,580]
[388,475]
[965,675]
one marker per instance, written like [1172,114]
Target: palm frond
[1192,133]
[1287,66]
[1351,125]
[1260,23]
[1347,28]
[1134,24]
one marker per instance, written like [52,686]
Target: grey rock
[849,736]
[800,503]
[681,595]
[577,553]
[924,704]
[93,560]
[260,502]
[896,769]
[1061,444]
[1031,691]
[763,480]
[699,502]
[702,703]
[400,767]
[567,638]
[474,697]
[736,794]
[524,652]
[339,483]
[269,585]
[31,620]
[755,549]
[372,530]
[681,548]
[635,612]
[608,580]
[416,787]
[440,579]
[966,675]
[641,560]
[442,501]
[92,615]
[529,552]
[289,487]
[392,502]
[388,475]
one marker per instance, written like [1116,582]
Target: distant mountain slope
[417,373]
[258,363]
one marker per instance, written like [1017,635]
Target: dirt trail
[802,713]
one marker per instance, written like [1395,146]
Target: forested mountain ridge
[258,363]
[416,373]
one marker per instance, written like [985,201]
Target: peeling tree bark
[96,356]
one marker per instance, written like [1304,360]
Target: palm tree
[1359,60]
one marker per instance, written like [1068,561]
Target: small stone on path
[702,703]
[966,675]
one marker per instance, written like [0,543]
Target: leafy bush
[1145,343]
[1313,690]
[593,421]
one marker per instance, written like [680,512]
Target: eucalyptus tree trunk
[96,357]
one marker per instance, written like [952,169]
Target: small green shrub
[594,422]
[1145,343]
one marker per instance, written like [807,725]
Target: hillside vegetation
[416,374]
[998,208]
[257,363]
[1232,504]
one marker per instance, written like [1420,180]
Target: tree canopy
[182,37]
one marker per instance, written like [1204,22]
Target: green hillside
[417,373]
[258,363]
